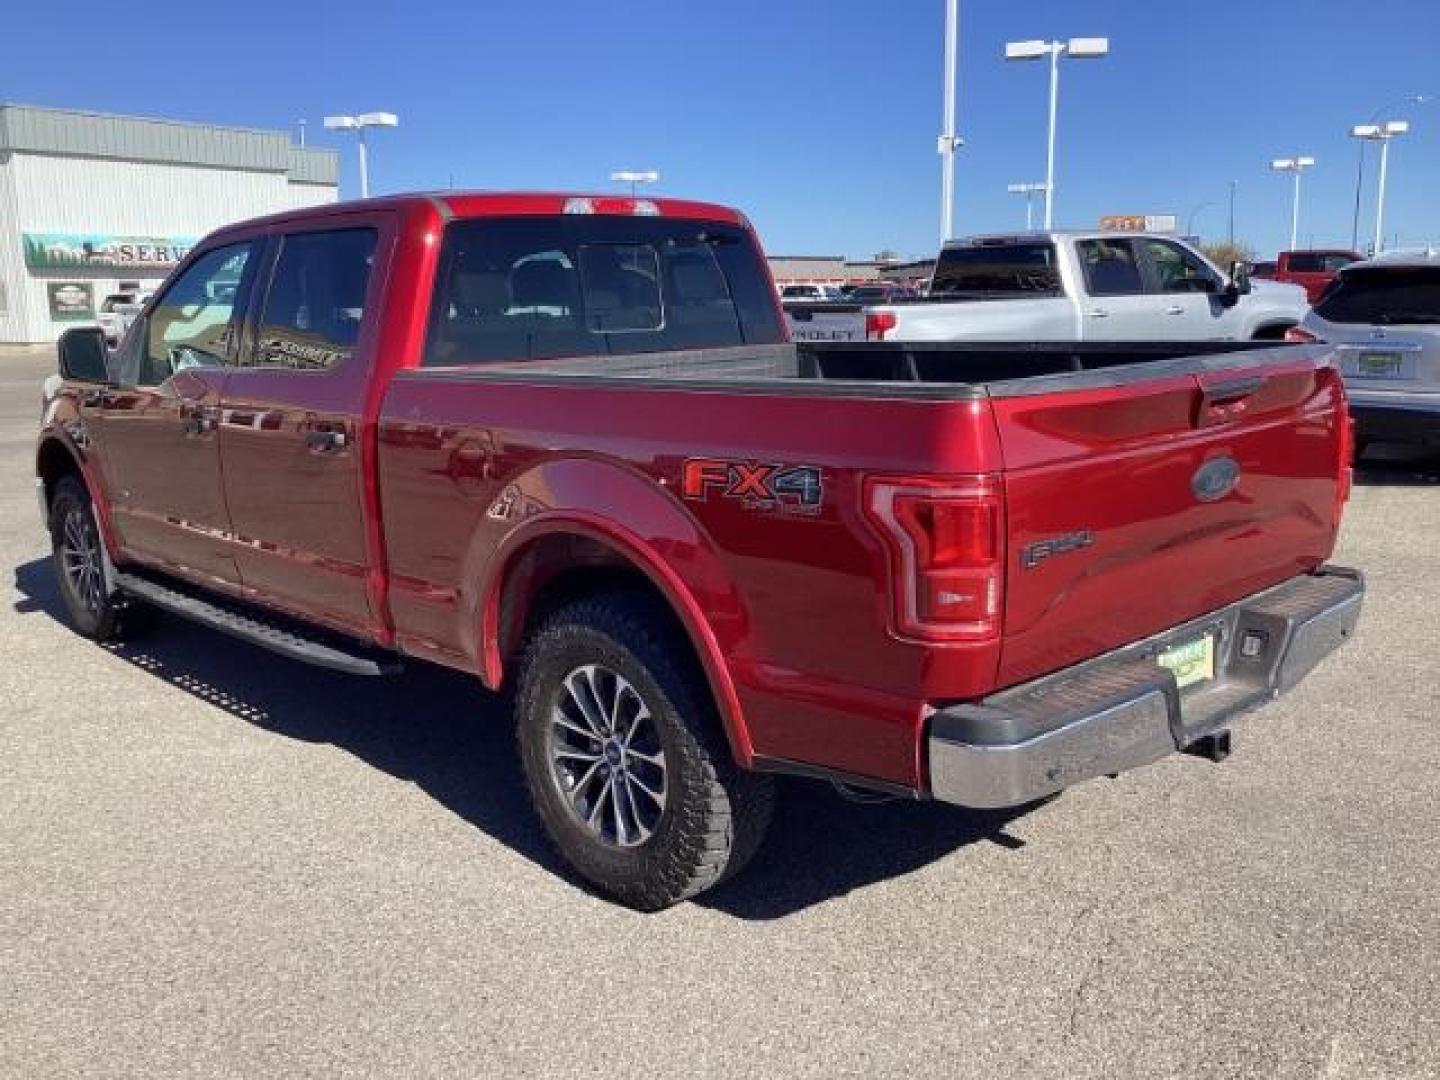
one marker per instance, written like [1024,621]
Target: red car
[562,443]
[1315,270]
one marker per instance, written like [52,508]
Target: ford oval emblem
[1215,479]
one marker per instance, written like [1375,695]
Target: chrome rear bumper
[1122,710]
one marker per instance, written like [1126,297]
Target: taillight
[946,542]
[1298,335]
[878,324]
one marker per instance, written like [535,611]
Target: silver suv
[1384,314]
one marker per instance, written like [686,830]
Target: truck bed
[885,369]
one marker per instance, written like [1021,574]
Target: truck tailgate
[1140,499]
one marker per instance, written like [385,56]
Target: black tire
[75,540]
[713,816]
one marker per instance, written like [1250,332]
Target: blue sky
[819,120]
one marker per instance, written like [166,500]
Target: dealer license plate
[1380,364]
[1191,663]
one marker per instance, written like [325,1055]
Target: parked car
[1080,286]
[1314,270]
[814,292]
[562,443]
[117,311]
[881,292]
[1384,316]
[1264,270]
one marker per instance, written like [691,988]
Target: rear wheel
[624,758]
[79,559]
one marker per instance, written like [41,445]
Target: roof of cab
[1398,258]
[469,204]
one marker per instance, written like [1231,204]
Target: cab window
[1110,267]
[316,300]
[1178,270]
[194,323]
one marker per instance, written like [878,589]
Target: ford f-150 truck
[563,443]
[1314,271]
[1079,286]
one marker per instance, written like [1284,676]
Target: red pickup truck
[563,442]
[1314,270]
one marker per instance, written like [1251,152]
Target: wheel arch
[563,557]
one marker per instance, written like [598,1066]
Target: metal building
[94,207]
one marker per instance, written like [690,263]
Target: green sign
[67,251]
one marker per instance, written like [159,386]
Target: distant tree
[1224,253]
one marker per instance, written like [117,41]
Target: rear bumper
[1122,710]
[1398,422]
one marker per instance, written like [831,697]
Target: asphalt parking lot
[214,862]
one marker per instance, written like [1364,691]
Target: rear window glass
[543,287]
[1007,268]
[1384,297]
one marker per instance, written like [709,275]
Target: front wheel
[78,554]
[624,759]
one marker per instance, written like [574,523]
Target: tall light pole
[1028,190]
[1230,234]
[1296,166]
[1408,99]
[634,177]
[1076,49]
[949,142]
[1381,133]
[358,124]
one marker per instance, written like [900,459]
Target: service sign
[70,301]
[65,251]
[1138,223]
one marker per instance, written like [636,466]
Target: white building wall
[55,193]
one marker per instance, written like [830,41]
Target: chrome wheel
[80,557]
[606,758]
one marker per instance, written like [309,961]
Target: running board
[269,632]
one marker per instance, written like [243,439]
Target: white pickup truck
[1079,286]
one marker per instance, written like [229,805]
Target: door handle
[199,422]
[1174,309]
[1099,313]
[93,398]
[325,442]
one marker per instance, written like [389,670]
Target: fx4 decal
[785,489]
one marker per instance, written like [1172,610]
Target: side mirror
[83,355]
[1240,277]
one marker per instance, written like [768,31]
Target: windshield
[1003,268]
[1384,297]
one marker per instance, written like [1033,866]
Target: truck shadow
[441,731]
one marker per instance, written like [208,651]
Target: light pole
[358,124]
[949,142]
[1076,49]
[1408,99]
[1296,166]
[1381,133]
[634,177]
[1230,235]
[1028,190]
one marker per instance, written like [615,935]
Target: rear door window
[540,287]
[1381,297]
[1110,267]
[316,300]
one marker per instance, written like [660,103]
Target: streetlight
[358,124]
[1295,165]
[1408,99]
[949,142]
[1381,133]
[1028,190]
[634,177]
[1231,233]
[1076,49]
